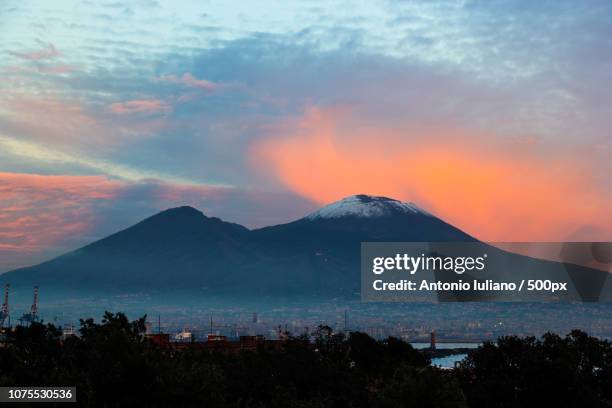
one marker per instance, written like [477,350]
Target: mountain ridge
[182,248]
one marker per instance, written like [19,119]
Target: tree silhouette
[113,364]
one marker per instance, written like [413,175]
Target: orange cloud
[494,191]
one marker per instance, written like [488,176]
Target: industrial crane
[4,312]
[28,318]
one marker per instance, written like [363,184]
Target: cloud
[42,153]
[50,119]
[190,81]
[57,69]
[41,213]
[497,191]
[140,106]
[47,52]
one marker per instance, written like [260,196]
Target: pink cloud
[58,69]
[47,52]
[190,81]
[49,119]
[41,212]
[141,106]
[73,126]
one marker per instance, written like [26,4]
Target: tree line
[113,364]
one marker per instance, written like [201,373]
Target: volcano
[181,249]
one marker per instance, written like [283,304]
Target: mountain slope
[181,249]
[175,248]
[364,218]
[323,249]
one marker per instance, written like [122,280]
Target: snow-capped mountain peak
[365,206]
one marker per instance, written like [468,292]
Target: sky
[495,116]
